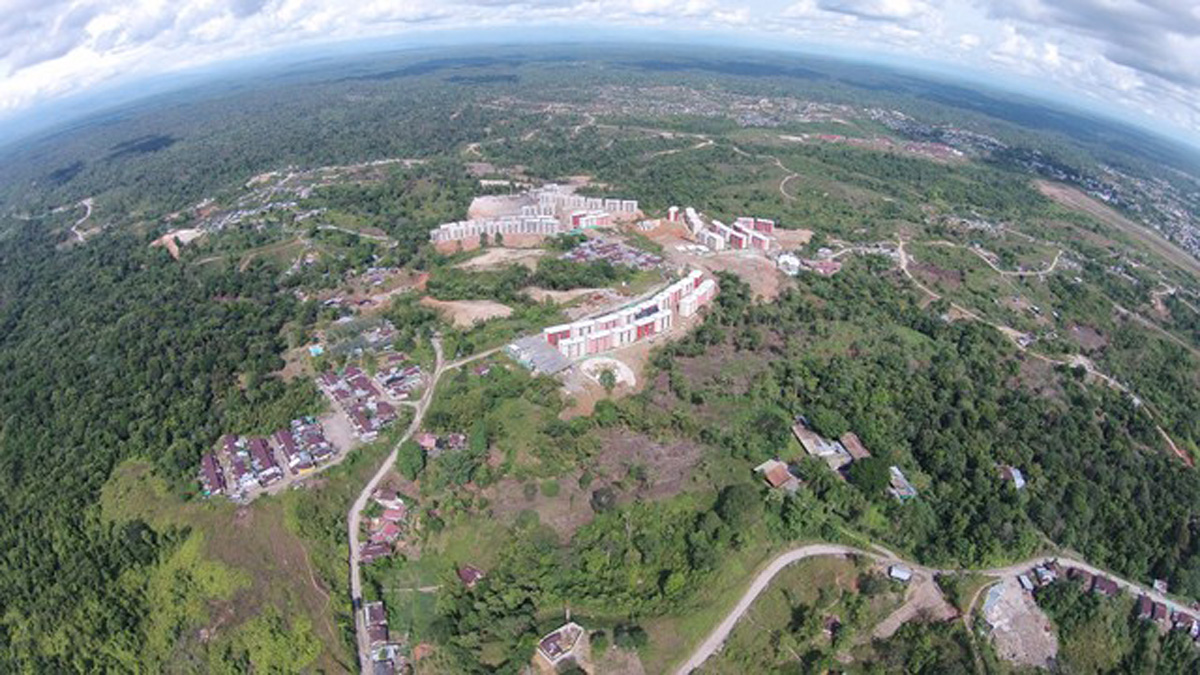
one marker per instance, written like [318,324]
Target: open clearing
[472,243]
[560,297]
[467,313]
[483,208]
[1020,631]
[1075,199]
[923,599]
[496,258]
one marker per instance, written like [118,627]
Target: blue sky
[1137,59]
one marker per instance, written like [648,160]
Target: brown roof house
[854,446]
[470,575]
[777,475]
[833,452]
[566,645]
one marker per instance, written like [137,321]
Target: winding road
[354,518]
[762,580]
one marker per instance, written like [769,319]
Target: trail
[713,642]
[1008,273]
[1075,361]
[662,153]
[376,237]
[354,518]
[1157,328]
[86,204]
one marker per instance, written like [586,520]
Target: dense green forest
[943,401]
[112,351]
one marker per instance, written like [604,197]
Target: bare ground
[560,297]
[472,243]
[494,206]
[496,258]
[923,599]
[1020,630]
[1088,338]
[467,313]
[792,238]
[929,273]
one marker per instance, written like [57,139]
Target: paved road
[354,519]
[717,637]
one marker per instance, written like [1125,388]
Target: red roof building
[470,575]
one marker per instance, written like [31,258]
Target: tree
[870,475]
[608,380]
[629,636]
[739,505]
[483,240]
[410,459]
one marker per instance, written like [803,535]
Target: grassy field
[240,570]
[790,617]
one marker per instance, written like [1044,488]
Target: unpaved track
[354,519]
[717,637]
[1076,361]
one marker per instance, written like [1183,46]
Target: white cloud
[1144,54]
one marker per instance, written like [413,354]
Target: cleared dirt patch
[472,243]
[1020,631]
[666,467]
[932,274]
[1075,199]
[622,373]
[560,297]
[496,258]
[467,313]
[792,238]
[1088,338]
[496,206]
[923,600]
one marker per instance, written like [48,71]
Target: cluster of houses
[554,209]
[1146,608]
[837,454]
[244,465]
[386,656]
[385,529]
[746,233]
[360,399]
[637,322]
[398,376]
[434,445]
[614,252]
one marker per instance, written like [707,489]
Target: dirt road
[354,519]
[717,637]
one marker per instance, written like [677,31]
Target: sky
[1138,59]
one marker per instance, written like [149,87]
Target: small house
[1026,582]
[1105,586]
[900,487]
[1144,608]
[900,573]
[1013,474]
[778,475]
[561,646]
[470,575]
[854,446]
